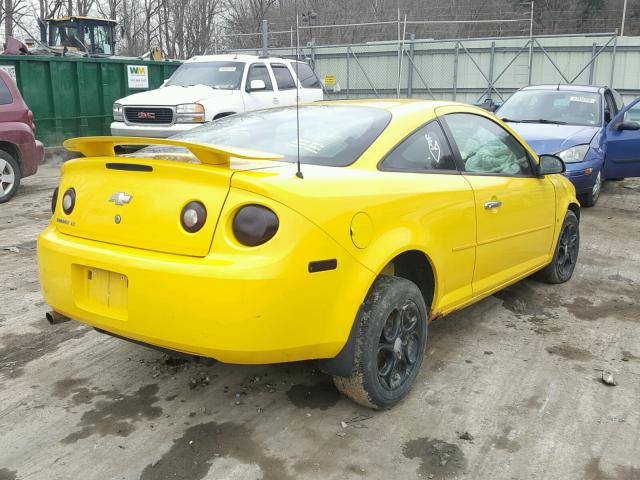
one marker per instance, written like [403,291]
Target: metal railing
[470,70]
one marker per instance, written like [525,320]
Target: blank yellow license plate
[103,292]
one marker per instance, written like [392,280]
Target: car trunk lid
[137,202]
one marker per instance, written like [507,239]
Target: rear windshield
[552,106]
[331,135]
[222,75]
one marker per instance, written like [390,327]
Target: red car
[20,152]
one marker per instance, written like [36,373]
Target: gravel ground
[510,389]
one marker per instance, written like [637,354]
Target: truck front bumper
[122,129]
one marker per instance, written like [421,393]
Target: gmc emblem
[147,115]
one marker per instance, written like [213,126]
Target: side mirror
[165,82]
[628,126]
[551,164]
[257,85]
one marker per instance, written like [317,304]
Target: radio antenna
[299,172]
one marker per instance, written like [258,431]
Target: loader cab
[82,34]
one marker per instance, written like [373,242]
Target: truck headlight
[574,154]
[190,113]
[118,113]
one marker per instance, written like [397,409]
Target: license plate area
[101,291]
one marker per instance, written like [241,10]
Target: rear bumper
[154,131]
[241,310]
[31,155]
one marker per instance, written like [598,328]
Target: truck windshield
[331,135]
[552,106]
[222,75]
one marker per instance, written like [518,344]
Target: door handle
[493,204]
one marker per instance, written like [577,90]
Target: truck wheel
[590,199]
[566,255]
[389,344]
[9,176]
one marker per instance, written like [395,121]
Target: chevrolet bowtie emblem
[120,198]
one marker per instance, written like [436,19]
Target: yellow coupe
[216,243]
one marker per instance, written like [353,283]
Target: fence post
[491,60]
[347,73]
[593,63]
[530,58]
[265,38]
[313,57]
[412,37]
[613,58]
[455,71]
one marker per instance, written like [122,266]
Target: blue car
[588,127]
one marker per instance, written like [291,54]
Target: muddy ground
[510,388]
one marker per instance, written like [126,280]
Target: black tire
[9,176]
[590,199]
[565,257]
[389,344]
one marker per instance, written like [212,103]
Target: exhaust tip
[54,318]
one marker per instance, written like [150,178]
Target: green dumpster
[73,96]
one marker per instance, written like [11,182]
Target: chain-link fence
[472,70]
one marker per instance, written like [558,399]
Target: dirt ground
[510,389]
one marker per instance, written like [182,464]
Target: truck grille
[148,115]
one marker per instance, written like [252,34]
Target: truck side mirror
[257,85]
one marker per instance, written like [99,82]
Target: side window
[284,79]
[306,75]
[633,114]
[486,147]
[425,149]
[259,72]
[5,95]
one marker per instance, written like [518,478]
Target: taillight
[54,200]
[30,122]
[254,225]
[193,216]
[69,201]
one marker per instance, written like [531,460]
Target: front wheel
[565,257]
[589,199]
[389,346]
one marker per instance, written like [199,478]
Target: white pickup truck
[208,87]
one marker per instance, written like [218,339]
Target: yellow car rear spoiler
[205,153]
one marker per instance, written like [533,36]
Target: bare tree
[11,13]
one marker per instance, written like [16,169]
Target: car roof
[231,57]
[567,87]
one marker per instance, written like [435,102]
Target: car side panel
[515,237]
[433,213]
[21,137]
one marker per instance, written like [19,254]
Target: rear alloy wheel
[565,257]
[9,176]
[389,345]
[590,199]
